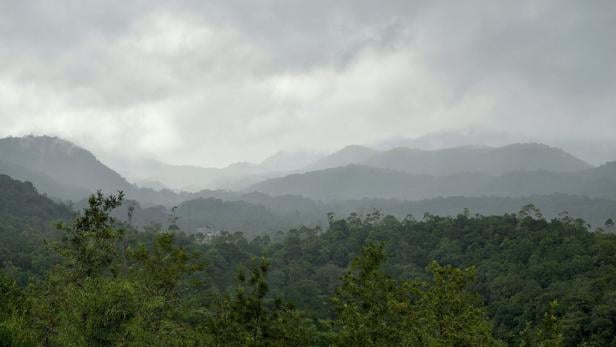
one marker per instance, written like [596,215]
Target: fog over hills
[463,159]
[43,183]
[307,173]
[594,151]
[356,178]
[66,170]
[477,159]
[149,173]
[455,138]
[58,164]
[348,155]
[357,181]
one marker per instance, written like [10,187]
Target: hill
[65,171]
[21,204]
[43,183]
[258,213]
[357,182]
[56,160]
[489,160]
[348,155]
[454,138]
[157,175]
[26,224]
[454,160]
[595,211]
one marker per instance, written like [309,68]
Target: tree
[548,334]
[451,313]
[375,310]
[158,275]
[87,301]
[89,244]
[530,211]
[247,318]
[371,309]
[10,301]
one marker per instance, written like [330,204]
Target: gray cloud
[220,81]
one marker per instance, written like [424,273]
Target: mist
[236,81]
[307,173]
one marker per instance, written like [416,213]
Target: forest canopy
[374,280]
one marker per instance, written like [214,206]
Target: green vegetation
[25,226]
[376,280]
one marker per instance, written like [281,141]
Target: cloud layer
[220,81]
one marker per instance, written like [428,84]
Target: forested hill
[257,214]
[60,161]
[359,181]
[26,225]
[514,279]
[21,204]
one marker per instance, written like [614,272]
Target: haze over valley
[307,173]
[293,189]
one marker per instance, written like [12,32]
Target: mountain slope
[43,183]
[494,161]
[61,161]
[65,171]
[20,202]
[157,175]
[454,138]
[449,161]
[348,155]
[25,226]
[357,182]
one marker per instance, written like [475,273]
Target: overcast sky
[212,82]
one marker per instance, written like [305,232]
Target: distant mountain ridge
[489,160]
[596,151]
[455,138]
[466,159]
[360,181]
[66,171]
[61,161]
[154,174]
[353,154]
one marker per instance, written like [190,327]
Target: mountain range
[149,173]
[466,159]
[360,181]
[283,190]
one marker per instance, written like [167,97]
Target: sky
[220,81]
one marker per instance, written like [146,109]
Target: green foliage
[375,310]
[451,313]
[89,243]
[247,318]
[96,298]
[11,299]
[372,309]
[25,226]
[548,334]
[366,281]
